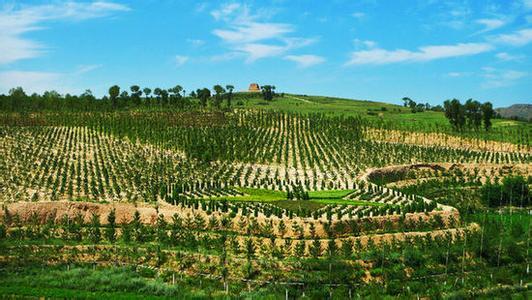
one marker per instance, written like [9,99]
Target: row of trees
[171,96]
[472,114]
[18,100]
[513,191]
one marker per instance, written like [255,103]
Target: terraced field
[259,203]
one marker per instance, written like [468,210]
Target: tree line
[117,98]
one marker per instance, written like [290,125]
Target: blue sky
[377,50]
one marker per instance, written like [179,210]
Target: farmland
[302,196]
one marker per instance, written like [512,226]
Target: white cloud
[252,32]
[517,38]
[196,42]
[364,43]
[86,69]
[306,60]
[225,11]
[490,24]
[246,35]
[180,60]
[500,78]
[509,57]
[16,21]
[379,56]
[358,15]
[458,74]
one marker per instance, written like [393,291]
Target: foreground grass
[95,283]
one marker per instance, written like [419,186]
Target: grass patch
[317,199]
[88,283]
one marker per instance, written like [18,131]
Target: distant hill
[516,111]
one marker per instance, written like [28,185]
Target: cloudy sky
[368,49]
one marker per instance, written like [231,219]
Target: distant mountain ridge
[516,111]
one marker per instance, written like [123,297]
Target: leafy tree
[487,114]
[147,92]
[455,112]
[219,93]
[473,113]
[114,91]
[268,92]
[136,93]
[175,94]
[17,96]
[204,94]
[406,101]
[229,89]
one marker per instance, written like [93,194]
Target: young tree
[137,227]
[110,231]
[94,228]
[162,235]
[3,231]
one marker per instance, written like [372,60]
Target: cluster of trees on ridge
[420,107]
[472,114]
[117,98]
[469,115]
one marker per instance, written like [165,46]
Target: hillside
[516,111]
[395,116]
[258,199]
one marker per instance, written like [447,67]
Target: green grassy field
[317,199]
[95,283]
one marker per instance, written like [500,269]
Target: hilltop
[516,111]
